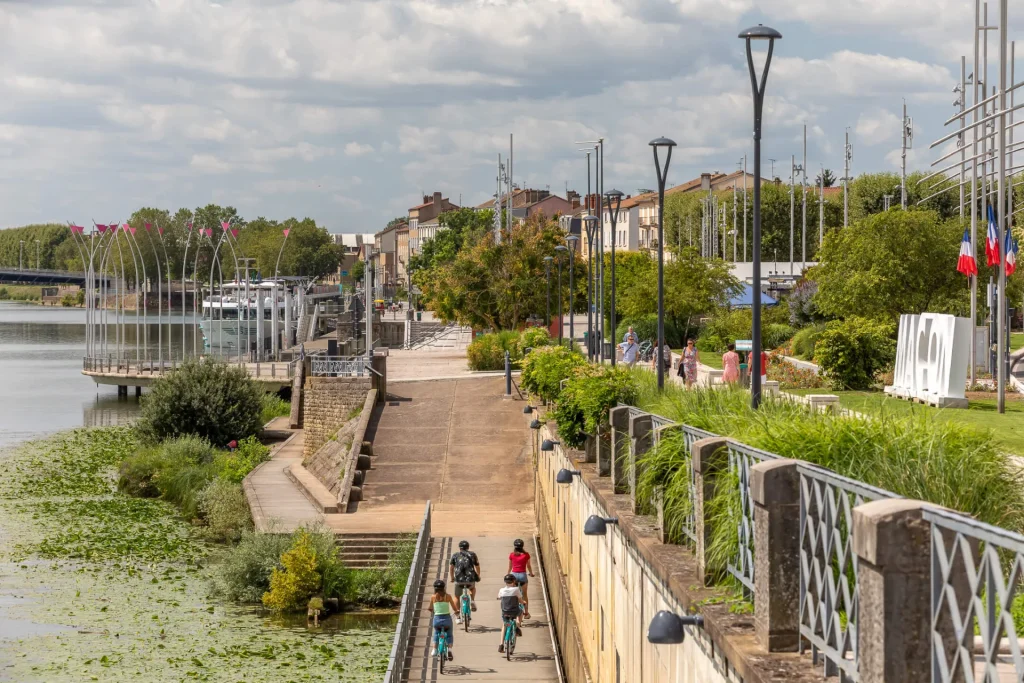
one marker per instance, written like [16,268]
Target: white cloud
[877,126]
[356,149]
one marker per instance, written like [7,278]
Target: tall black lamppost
[590,222]
[571,241]
[560,249]
[666,144]
[547,272]
[614,200]
[759,32]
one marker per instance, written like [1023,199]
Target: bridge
[36,276]
[126,372]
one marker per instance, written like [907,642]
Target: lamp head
[560,247]
[549,444]
[572,238]
[590,219]
[528,410]
[598,526]
[549,259]
[565,476]
[535,424]
[760,32]
[662,142]
[666,628]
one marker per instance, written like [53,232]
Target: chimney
[705,181]
[437,198]
[426,199]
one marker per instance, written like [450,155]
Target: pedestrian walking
[629,333]
[731,365]
[688,363]
[663,353]
[629,350]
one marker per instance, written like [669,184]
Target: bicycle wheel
[442,658]
[511,645]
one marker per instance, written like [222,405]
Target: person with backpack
[512,606]
[519,566]
[464,571]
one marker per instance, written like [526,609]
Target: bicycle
[442,645]
[465,606]
[509,638]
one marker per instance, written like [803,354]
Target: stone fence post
[609,463]
[641,434]
[708,457]
[775,490]
[893,544]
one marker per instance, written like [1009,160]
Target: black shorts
[510,615]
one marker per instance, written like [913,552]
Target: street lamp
[759,32]
[590,221]
[571,240]
[37,254]
[547,272]
[560,249]
[21,254]
[667,145]
[666,628]
[614,199]
[564,476]
[597,525]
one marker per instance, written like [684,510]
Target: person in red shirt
[519,566]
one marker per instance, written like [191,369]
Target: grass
[274,406]
[1006,430]
[1016,341]
[708,358]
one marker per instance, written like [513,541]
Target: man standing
[629,350]
[464,572]
[629,333]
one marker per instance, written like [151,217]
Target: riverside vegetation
[133,558]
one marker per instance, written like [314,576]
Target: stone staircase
[367,550]
[445,337]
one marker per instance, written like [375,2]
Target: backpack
[463,563]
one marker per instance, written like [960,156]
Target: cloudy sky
[347,111]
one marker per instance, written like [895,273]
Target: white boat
[242,316]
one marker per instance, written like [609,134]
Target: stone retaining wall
[327,403]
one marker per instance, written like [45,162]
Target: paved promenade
[476,656]
[275,501]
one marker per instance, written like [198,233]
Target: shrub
[233,466]
[207,398]
[245,573]
[223,506]
[775,335]
[791,377]
[297,580]
[852,351]
[534,338]
[274,406]
[545,368]
[176,470]
[588,395]
[646,329]
[802,309]
[487,352]
[137,473]
[805,340]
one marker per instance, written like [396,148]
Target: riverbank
[97,585]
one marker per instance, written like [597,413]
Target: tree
[830,178]
[457,227]
[358,270]
[868,191]
[490,285]
[889,264]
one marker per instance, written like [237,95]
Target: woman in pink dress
[731,365]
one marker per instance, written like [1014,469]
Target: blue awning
[745,299]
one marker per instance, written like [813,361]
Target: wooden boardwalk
[476,656]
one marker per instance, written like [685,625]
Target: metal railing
[976,580]
[337,366]
[741,459]
[410,603]
[829,594]
[153,368]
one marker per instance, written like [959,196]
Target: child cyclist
[512,606]
[443,607]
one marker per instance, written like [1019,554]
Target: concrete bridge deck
[142,373]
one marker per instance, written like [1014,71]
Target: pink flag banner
[234,232]
[189,225]
[159,230]
[286,231]
[77,229]
[225,225]
[101,227]
[128,228]
[209,232]
[148,226]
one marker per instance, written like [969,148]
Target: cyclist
[443,606]
[511,606]
[464,571]
[519,566]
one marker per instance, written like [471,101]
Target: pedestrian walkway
[476,656]
[275,501]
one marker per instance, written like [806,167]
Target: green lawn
[1016,340]
[1007,429]
[712,360]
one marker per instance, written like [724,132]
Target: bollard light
[666,628]
[535,424]
[565,476]
[597,525]
[549,444]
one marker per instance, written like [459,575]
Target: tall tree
[830,178]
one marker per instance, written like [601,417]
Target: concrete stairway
[367,550]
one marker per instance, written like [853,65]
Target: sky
[349,111]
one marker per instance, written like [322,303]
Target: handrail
[741,458]
[396,661]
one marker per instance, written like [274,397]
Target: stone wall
[327,404]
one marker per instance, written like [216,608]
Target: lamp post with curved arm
[590,223]
[571,241]
[560,249]
[614,200]
[667,145]
[759,32]
[547,273]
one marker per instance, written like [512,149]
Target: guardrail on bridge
[406,615]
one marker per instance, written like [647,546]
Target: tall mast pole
[744,208]
[792,212]
[803,196]
[1004,223]
[903,160]
[846,180]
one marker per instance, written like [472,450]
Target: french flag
[1011,254]
[966,263]
[992,240]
